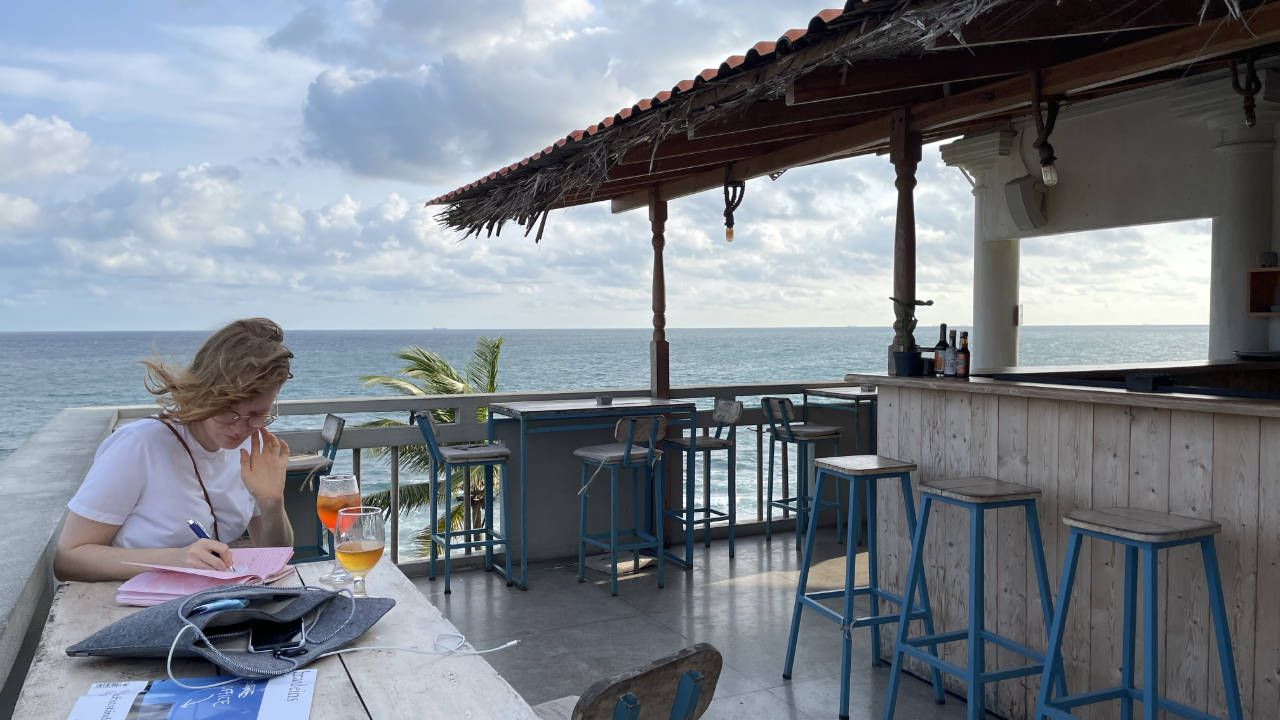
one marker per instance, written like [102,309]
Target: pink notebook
[254,566]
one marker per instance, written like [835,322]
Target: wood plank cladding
[1224,466]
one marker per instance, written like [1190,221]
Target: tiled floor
[573,634]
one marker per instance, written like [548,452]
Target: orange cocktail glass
[336,492]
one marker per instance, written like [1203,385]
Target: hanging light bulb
[733,192]
[1044,126]
[1049,173]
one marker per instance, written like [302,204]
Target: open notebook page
[256,563]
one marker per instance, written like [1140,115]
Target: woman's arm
[262,470]
[271,528]
[85,552]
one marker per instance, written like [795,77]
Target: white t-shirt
[142,480]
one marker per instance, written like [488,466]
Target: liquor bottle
[940,351]
[962,357]
[949,358]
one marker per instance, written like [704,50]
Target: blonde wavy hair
[240,362]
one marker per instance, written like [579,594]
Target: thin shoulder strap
[216,535]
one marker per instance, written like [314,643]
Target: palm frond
[482,368]
[400,385]
[434,372]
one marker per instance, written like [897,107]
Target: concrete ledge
[36,482]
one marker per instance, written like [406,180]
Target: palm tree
[426,373]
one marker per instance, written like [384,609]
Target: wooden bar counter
[1196,455]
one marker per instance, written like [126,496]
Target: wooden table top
[574,406]
[372,684]
[842,393]
[307,462]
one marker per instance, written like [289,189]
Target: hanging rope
[733,192]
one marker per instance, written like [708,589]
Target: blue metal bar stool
[779,412]
[861,472]
[977,495]
[1150,532]
[463,457]
[726,415]
[615,456]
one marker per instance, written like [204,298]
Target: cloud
[16,213]
[431,93]
[34,147]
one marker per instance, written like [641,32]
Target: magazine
[287,697]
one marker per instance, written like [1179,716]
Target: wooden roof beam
[1177,48]
[777,113]
[679,146]
[934,68]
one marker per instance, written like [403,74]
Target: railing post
[395,504]
[706,476]
[355,464]
[759,473]
[786,491]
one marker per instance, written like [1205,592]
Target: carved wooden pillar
[904,153]
[659,350]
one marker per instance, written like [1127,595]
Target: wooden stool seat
[979,490]
[704,442]
[864,465]
[1141,525]
[809,431]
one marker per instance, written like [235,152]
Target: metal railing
[469,428]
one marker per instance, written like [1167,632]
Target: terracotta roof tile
[763,51]
[731,62]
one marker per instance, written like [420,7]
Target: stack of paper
[254,566]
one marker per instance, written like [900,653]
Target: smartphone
[269,636]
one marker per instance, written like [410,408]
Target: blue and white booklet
[287,697]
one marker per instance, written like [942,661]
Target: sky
[175,165]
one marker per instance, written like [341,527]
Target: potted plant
[906,356]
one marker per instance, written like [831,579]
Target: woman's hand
[206,554]
[262,468]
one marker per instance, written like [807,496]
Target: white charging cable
[445,644]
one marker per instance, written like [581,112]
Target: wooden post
[904,153]
[659,350]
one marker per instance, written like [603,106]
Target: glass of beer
[336,492]
[361,539]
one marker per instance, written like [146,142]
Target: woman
[206,457]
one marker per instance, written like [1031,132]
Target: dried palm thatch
[869,30]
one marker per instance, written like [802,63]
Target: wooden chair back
[331,433]
[779,412]
[663,689]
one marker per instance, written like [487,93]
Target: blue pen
[198,529]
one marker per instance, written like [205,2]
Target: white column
[994,341]
[1242,224]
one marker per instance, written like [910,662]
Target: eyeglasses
[255,420]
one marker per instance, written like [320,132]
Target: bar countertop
[1076,393]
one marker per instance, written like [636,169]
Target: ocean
[42,373]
